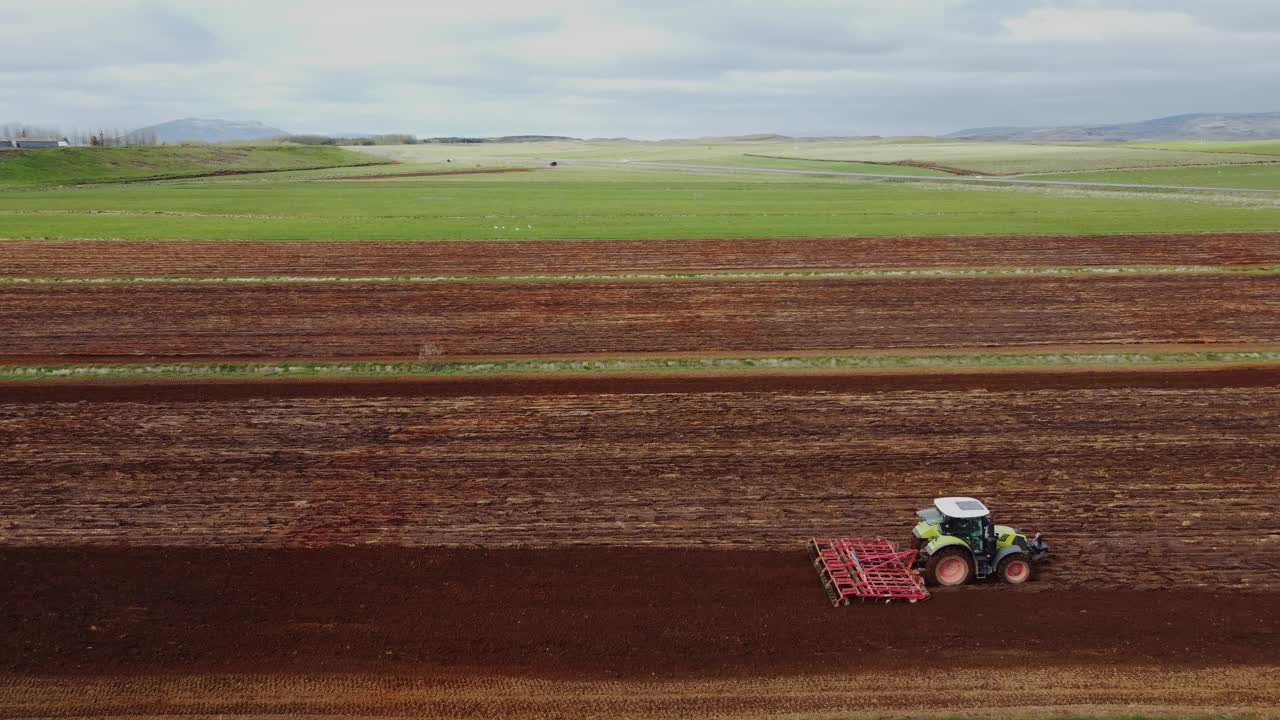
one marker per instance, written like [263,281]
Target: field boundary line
[868,274]
[657,364]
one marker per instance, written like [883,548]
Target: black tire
[1015,568]
[943,568]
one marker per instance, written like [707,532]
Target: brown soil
[1037,689]
[346,320]
[568,612]
[393,176]
[630,546]
[1118,478]
[303,572]
[110,258]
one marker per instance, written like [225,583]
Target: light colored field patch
[447,367]
[1255,147]
[1166,194]
[1261,177]
[992,158]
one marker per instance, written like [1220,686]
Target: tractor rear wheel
[1014,569]
[949,566]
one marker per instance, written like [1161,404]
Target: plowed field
[98,258]
[630,545]
[546,318]
[1120,478]
[300,567]
[565,612]
[1034,690]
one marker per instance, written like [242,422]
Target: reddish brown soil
[393,176]
[110,258]
[1126,482]
[351,320]
[981,687]
[576,612]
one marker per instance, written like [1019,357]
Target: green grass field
[588,202]
[990,158]
[1264,177]
[73,166]
[576,201]
[1254,147]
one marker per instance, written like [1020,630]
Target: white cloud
[612,67]
[1096,24]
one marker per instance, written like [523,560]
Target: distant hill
[208,130]
[502,139]
[1198,126]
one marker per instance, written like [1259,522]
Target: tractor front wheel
[1014,569]
[949,566]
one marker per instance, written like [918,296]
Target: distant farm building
[32,143]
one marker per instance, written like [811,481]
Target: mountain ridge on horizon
[211,130]
[1191,126]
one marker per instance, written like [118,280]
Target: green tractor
[956,541]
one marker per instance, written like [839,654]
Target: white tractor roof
[961,507]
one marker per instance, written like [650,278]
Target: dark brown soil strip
[624,612]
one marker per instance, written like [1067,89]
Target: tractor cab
[969,520]
[956,540]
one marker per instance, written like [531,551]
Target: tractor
[956,541]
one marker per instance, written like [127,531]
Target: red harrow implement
[866,568]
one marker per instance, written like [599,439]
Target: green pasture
[1004,159]
[1263,177]
[587,203]
[72,166]
[1255,147]
[990,158]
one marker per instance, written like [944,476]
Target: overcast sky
[657,68]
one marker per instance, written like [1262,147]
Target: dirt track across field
[1127,481]
[360,320]
[112,258]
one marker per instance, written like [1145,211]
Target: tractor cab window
[974,531]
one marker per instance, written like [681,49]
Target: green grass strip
[611,365]
[659,276]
